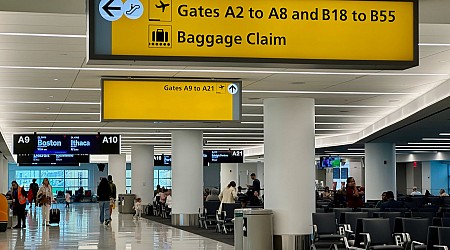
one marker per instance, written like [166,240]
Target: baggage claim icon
[159,36]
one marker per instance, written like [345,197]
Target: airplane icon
[162,5]
[221,86]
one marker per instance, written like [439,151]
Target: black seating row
[377,233]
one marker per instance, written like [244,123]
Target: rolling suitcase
[55,216]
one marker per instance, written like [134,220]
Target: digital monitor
[330,162]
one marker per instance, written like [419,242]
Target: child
[67,199]
[138,208]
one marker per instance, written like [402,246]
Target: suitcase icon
[160,35]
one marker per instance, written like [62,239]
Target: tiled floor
[80,229]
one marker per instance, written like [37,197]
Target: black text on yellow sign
[290,31]
[156,100]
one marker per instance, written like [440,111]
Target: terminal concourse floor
[80,229]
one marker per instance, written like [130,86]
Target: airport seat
[325,232]
[444,238]
[377,235]
[417,230]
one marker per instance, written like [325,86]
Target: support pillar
[289,164]
[380,164]
[228,172]
[187,176]
[117,165]
[142,172]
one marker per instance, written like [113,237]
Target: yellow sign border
[96,57]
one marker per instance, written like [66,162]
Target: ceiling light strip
[324,93]
[218,71]
[42,35]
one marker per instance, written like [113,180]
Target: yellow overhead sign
[175,100]
[289,31]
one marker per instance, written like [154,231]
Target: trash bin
[257,229]
[238,228]
[126,203]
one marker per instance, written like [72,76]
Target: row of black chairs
[358,231]
[209,215]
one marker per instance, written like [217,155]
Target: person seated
[254,200]
[442,193]
[415,192]
[383,200]
[242,197]
[391,202]
[169,202]
[214,196]
[206,192]
[326,195]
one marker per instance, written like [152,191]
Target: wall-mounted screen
[330,162]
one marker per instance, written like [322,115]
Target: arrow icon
[232,89]
[107,7]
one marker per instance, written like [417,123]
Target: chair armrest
[314,233]
[344,227]
[402,239]
[441,246]
[367,240]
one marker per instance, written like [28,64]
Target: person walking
[45,197]
[113,194]
[67,199]
[19,203]
[34,188]
[103,197]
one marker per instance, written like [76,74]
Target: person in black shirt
[34,188]
[256,185]
[391,202]
[103,195]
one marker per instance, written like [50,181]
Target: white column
[117,165]
[426,177]
[228,172]
[5,185]
[379,170]
[288,148]
[187,176]
[142,172]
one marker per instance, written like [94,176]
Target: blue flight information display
[66,144]
[51,159]
[209,156]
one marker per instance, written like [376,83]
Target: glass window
[128,174]
[60,180]
[165,174]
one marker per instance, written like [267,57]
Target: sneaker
[24,226]
[107,222]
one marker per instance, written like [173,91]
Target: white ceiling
[46,86]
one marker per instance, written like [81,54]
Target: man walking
[34,188]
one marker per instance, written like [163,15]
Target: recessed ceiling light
[55,79]
[435,139]
[51,96]
[444,133]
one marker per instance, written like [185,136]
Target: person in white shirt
[442,193]
[228,194]
[415,192]
[45,195]
[138,208]
[67,199]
